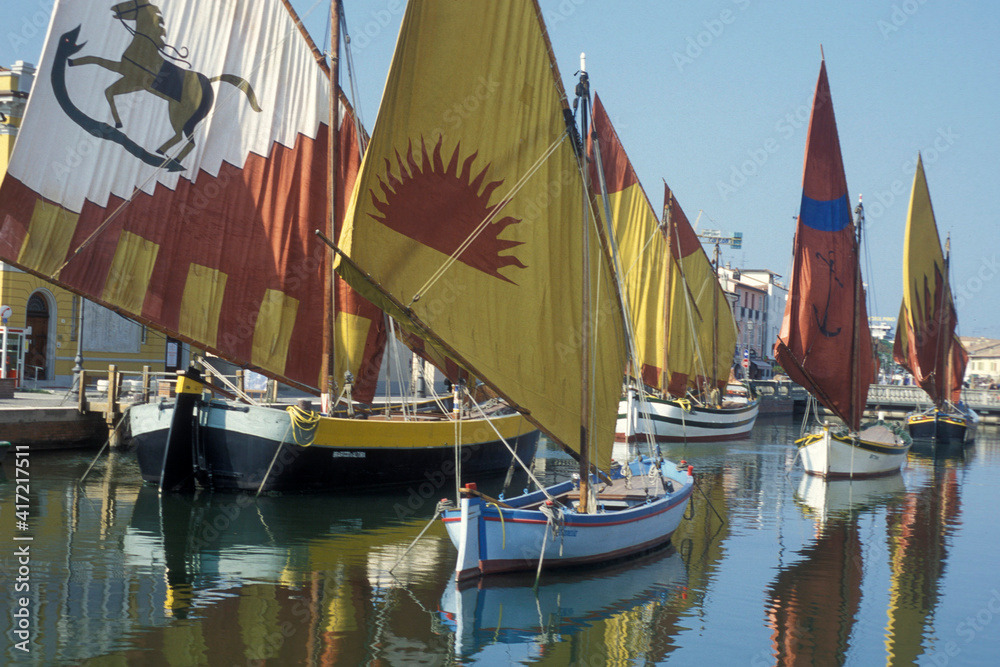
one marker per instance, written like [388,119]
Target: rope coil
[304,423]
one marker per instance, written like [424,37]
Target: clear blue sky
[714,97]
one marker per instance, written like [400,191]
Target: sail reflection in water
[883,571]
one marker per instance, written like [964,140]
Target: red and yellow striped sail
[642,249]
[213,242]
[469,213]
[926,344]
[702,331]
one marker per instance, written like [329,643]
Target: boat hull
[237,447]
[492,539]
[943,426]
[855,455]
[670,421]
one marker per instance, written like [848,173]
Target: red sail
[825,344]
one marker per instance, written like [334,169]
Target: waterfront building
[758,306]
[984,361]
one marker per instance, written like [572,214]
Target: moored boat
[262,448]
[873,450]
[680,321]
[952,423]
[825,344]
[210,236]
[926,342]
[541,324]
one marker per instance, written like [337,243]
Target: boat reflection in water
[814,602]
[636,599]
[293,579]
[920,530]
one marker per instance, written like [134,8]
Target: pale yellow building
[53,314]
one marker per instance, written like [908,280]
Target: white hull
[831,455]
[681,421]
[493,539]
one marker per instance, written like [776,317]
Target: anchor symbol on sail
[831,263]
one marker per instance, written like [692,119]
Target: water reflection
[813,603]
[919,530]
[121,576]
[636,599]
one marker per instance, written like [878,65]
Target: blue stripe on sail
[826,216]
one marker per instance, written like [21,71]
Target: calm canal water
[773,568]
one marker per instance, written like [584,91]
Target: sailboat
[196,178]
[824,344]
[680,319]
[479,236]
[926,343]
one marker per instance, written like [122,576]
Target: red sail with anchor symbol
[825,344]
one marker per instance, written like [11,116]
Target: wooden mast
[583,91]
[945,336]
[856,410]
[328,383]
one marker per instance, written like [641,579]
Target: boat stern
[464,528]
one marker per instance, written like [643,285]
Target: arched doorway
[37,316]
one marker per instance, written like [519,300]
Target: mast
[328,383]
[715,325]
[666,227]
[945,301]
[856,410]
[583,91]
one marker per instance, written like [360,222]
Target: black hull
[230,460]
[942,428]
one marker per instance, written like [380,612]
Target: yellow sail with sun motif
[702,331]
[469,214]
[642,249]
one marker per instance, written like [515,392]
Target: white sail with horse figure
[172,166]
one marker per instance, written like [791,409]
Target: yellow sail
[469,214]
[925,343]
[642,250]
[702,331]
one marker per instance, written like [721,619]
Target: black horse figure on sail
[831,264]
[146,65]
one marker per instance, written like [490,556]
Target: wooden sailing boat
[825,344]
[681,323]
[480,235]
[210,237]
[926,344]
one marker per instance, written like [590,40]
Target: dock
[894,401]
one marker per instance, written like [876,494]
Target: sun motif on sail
[435,205]
[932,313]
